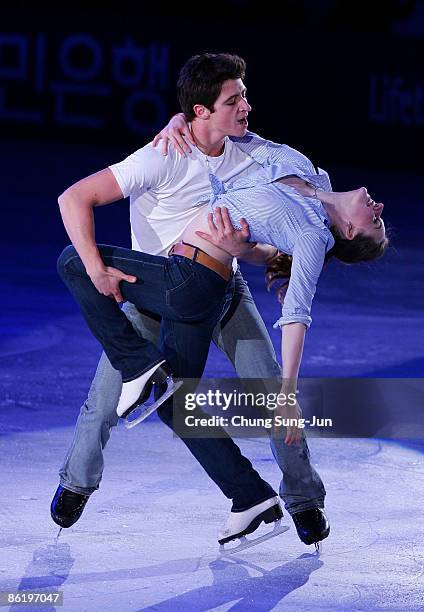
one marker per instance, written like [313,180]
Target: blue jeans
[242,336]
[190,299]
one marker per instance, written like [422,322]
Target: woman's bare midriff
[200,223]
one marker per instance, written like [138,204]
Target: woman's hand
[178,133]
[288,411]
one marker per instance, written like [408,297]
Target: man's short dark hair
[201,78]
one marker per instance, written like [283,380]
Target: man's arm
[76,207]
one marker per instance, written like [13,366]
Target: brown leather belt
[196,254]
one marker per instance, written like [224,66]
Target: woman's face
[365,215]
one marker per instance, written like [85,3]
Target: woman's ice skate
[240,524]
[135,393]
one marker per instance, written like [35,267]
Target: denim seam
[68,261]
[169,292]
[132,260]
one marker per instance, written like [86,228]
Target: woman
[286,204]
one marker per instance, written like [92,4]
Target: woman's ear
[350,232]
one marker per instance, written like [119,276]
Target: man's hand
[290,411]
[107,279]
[224,235]
[178,132]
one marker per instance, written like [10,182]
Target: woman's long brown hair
[360,248]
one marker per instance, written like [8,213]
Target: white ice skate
[239,524]
[135,394]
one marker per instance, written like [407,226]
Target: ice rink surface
[147,538]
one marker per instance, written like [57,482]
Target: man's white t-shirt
[163,190]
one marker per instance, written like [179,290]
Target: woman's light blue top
[277,214]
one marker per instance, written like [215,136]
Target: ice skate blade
[247,543]
[172,387]
[319,548]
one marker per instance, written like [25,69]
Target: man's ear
[201,111]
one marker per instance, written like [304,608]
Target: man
[163,191]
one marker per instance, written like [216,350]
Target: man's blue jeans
[242,336]
[189,297]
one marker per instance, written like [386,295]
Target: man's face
[230,110]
